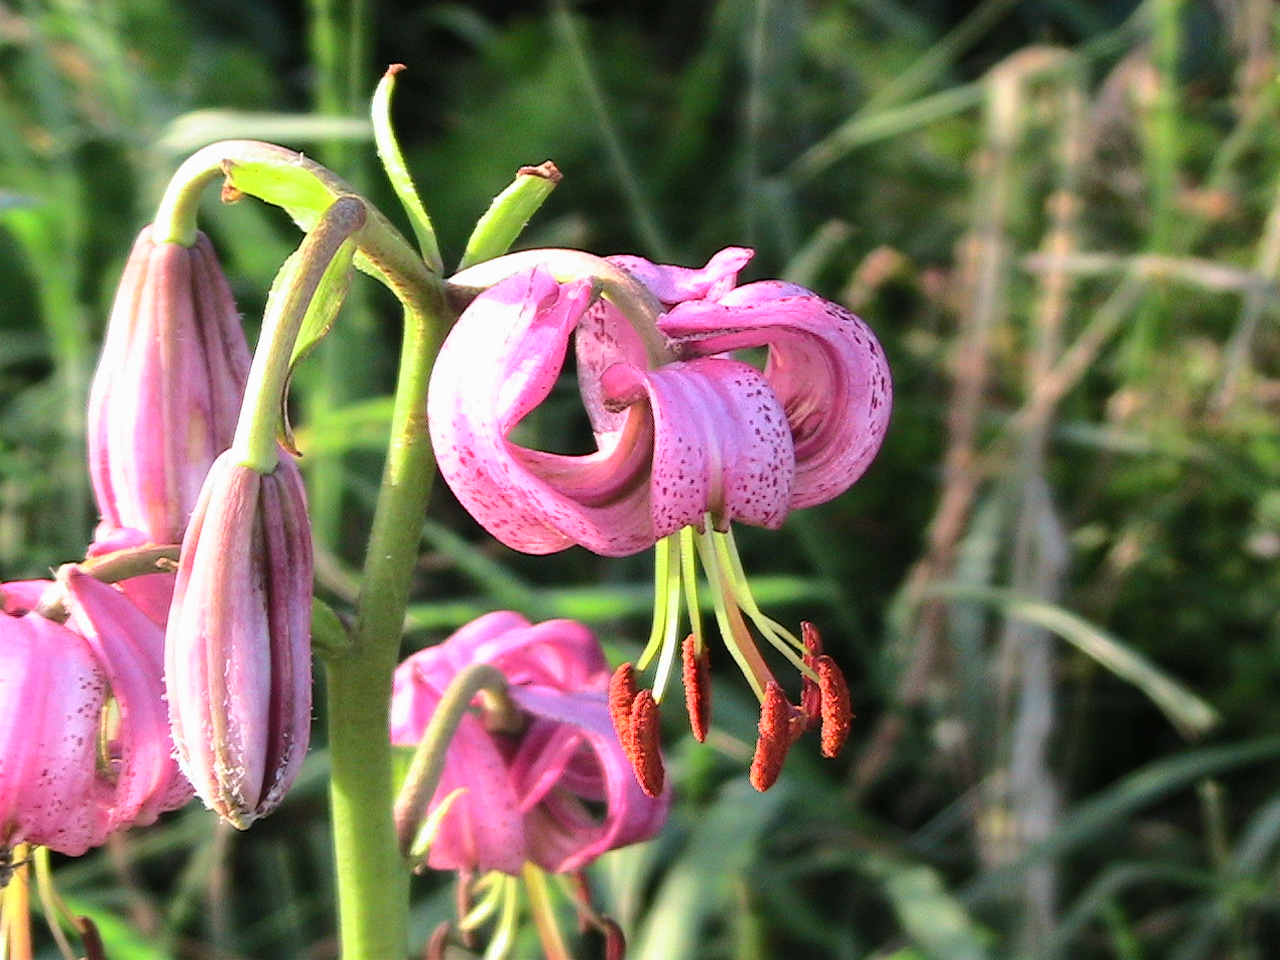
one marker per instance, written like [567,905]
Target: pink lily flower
[527,797]
[168,387]
[67,779]
[701,435]
[688,438]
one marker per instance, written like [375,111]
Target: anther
[622,693]
[780,723]
[810,695]
[837,714]
[697,687]
[645,749]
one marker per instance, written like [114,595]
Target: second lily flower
[686,443]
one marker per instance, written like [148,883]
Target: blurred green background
[1056,591]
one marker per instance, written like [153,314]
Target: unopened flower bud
[168,388]
[238,646]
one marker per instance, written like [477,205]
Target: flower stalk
[373,883]
[255,439]
[428,759]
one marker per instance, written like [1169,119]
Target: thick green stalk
[373,882]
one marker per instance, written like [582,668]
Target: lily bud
[238,645]
[168,387]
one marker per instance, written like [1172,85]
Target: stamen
[697,686]
[622,693]
[544,914]
[645,750]
[670,633]
[689,579]
[810,695]
[837,714]
[780,724]
[503,941]
[733,577]
[733,630]
[661,600]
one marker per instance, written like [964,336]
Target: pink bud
[238,646]
[168,387]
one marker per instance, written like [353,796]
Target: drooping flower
[168,387]
[84,738]
[238,643]
[530,794]
[689,439]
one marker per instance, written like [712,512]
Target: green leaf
[509,213]
[1189,713]
[931,916]
[293,188]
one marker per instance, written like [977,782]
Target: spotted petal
[499,362]
[825,366]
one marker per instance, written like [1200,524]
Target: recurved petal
[483,828]
[52,693]
[825,366]
[721,443]
[499,362]
[131,648]
[561,834]
[673,285]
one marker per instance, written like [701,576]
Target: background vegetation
[1055,593]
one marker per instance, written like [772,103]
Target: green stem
[255,440]
[373,882]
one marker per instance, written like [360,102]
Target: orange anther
[645,750]
[837,714]
[697,687]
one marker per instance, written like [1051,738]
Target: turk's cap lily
[238,643]
[528,795]
[168,387]
[702,435]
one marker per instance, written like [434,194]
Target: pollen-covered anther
[645,748]
[622,693]
[697,687]
[781,722]
[837,713]
[810,695]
